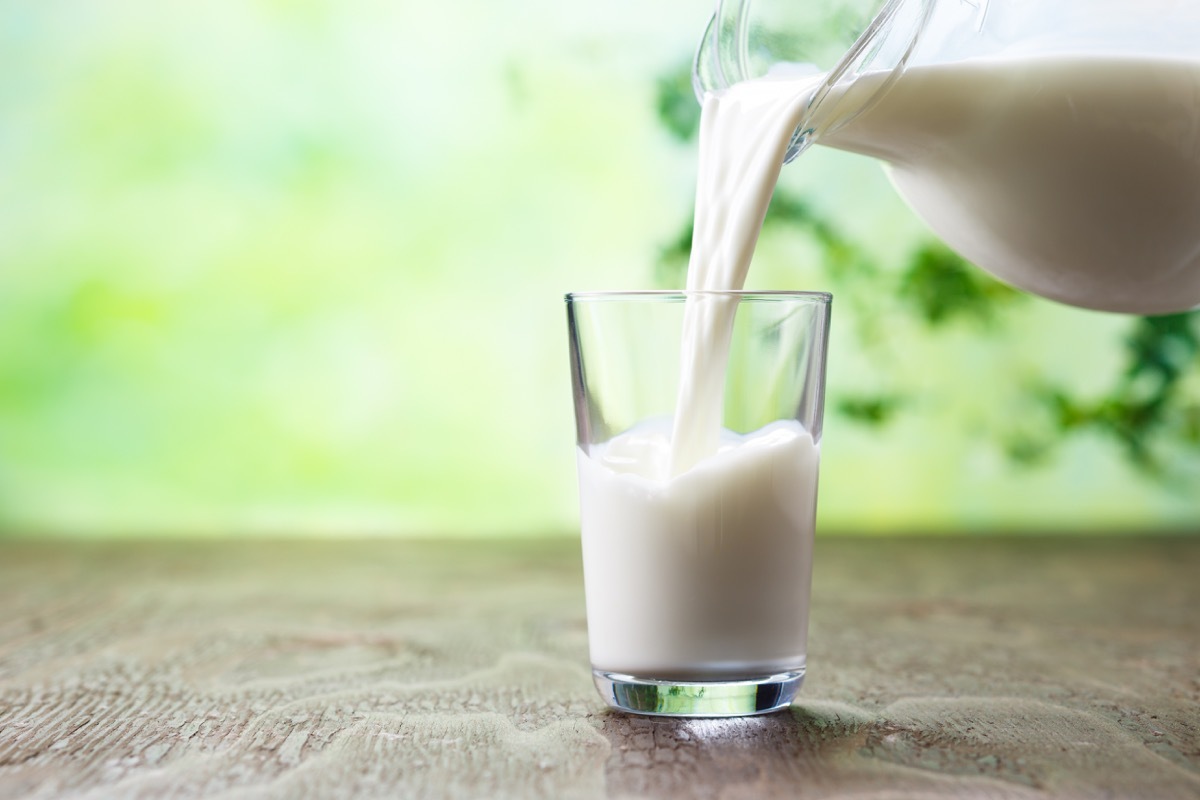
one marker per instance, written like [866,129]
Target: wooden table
[1006,668]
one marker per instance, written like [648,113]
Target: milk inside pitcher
[1056,146]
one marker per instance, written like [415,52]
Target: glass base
[735,698]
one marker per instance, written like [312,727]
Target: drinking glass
[697,574]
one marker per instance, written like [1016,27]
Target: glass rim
[824,298]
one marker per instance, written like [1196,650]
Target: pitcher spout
[738,45]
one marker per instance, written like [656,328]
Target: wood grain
[994,668]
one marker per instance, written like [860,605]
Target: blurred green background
[295,267]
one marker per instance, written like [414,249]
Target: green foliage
[285,290]
[1146,411]
[670,268]
[872,411]
[1163,348]
[940,286]
[678,111]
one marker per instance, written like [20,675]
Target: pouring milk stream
[1076,177]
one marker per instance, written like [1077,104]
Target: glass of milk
[698,418]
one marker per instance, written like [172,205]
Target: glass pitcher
[1054,144]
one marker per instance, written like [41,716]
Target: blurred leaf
[874,411]
[1145,410]
[1164,346]
[842,257]
[670,269]
[1028,450]
[940,285]
[678,109]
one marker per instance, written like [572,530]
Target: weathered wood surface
[980,668]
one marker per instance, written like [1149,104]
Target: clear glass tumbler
[697,506]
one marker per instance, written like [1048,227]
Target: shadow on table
[701,757]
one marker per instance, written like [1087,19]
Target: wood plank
[1006,668]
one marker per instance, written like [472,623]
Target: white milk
[706,575]
[1073,177]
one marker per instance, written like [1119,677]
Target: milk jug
[1054,144]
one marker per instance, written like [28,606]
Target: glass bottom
[701,699]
